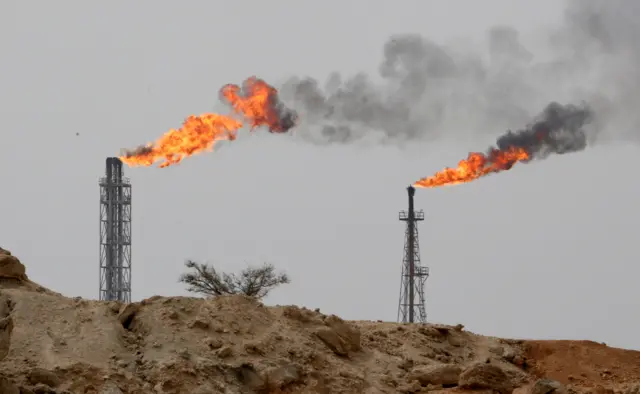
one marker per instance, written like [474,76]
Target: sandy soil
[53,344]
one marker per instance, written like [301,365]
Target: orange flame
[475,166]
[197,134]
[257,103]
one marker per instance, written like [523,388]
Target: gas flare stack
[115,234]
[411,307]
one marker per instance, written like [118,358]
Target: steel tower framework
[115,234]
[411,307]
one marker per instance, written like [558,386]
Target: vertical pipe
[101,247]
[130,233]
[109,230]
[118,229]
[411,227]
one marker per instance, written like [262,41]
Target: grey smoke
[558,129]
[424,89]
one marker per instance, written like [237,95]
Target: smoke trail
[425,89]
[558,129]
[599,43]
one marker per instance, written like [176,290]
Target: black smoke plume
[424,89]
[558,129]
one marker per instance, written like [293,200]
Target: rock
[410,388]
[349,334]
[339,336]
[173,315]
[42,388]
[295,313]
[443,359]
[225,352]
[406,364]
[547,386]
[601,390]
[7,386]
[43,376]
[509,355]
[114,306]
[633,388]
[519,361]
[332,340]
[444,374]
[455,340]
[443,330]
[6,328]
[110,388]
[123,364]
[11,267]
[497,350]
[199,323]
[185,354]
[25,390]
[254,347]
[486,376]
[248,376]
[285,375]
[204,389]
[213,343]
[6,305]
[127,313]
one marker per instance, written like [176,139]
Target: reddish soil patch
[584,363]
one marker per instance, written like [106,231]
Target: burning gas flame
[257,104]
[475,166]
[559,129]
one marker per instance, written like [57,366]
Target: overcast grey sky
[547,250]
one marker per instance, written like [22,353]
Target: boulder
[225,351]
[486,377]
[7,386]
[43,376]
[349,334]
[439,374]
[11,267]
[285,375]
[332,340]
[339,336]
[42,388]
[110,387]
[547,386]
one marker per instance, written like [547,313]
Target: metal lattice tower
[411,307]
[115,234]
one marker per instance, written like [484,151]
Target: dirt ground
[585,363]
[53,344]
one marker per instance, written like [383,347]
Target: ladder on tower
[421,273]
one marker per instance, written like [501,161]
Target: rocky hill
[53,344]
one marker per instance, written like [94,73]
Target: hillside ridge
[50,343]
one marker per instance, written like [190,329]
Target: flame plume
[256,102]
[559,129]
[475,166]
